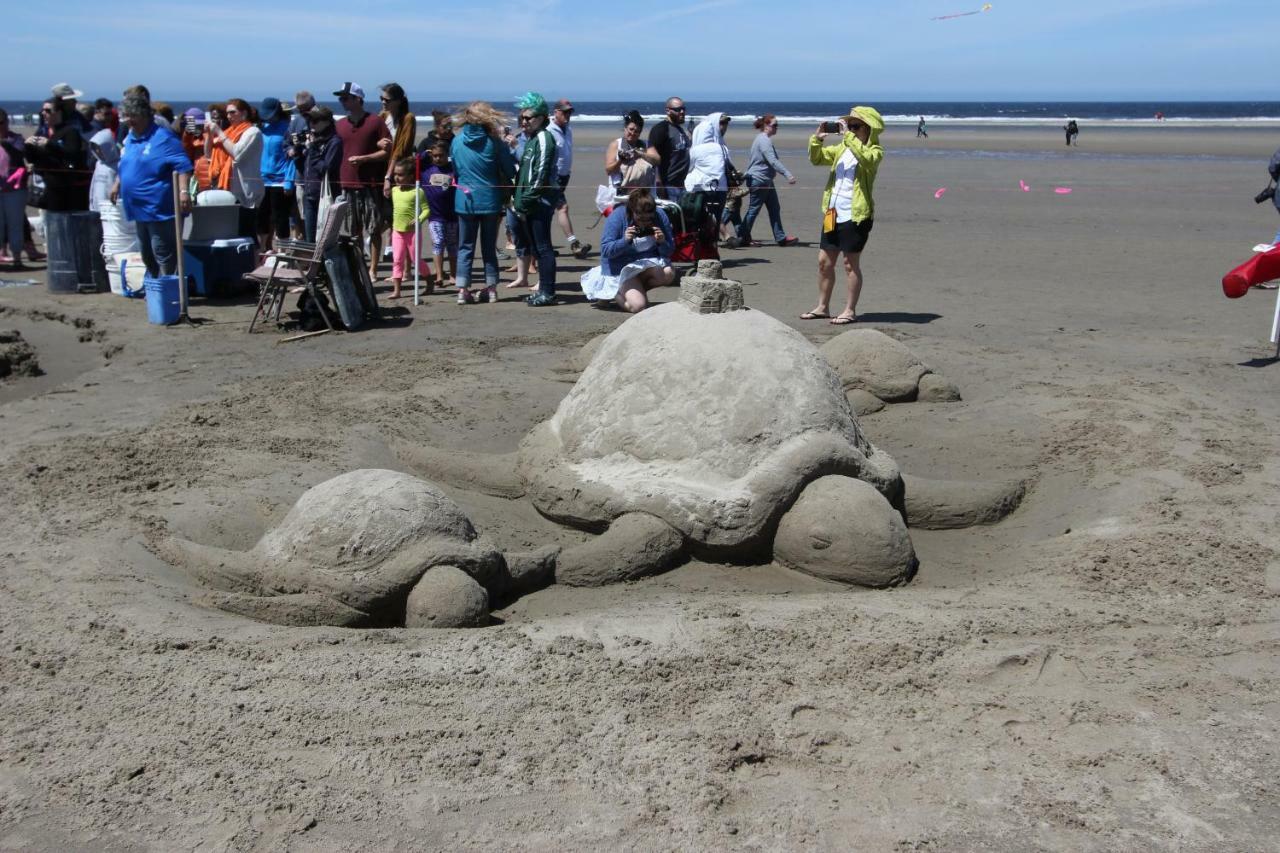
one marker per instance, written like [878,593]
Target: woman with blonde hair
[483,171]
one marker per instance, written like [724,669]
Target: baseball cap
[269,108]
[353,89]
[564,105]
[64,90]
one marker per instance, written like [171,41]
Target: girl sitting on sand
[635,254]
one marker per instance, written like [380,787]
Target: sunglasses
[675,109]
[525,119]
[46,109]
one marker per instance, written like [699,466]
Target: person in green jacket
[535,198]
[847,207]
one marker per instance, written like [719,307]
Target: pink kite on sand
[939,193]
[1062,190]
[1024,187]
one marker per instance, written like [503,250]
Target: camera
[831,127]
[1266,195]
[191,125]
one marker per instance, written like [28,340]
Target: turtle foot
[298,609]
[230,571]
[635,545]
[951,504]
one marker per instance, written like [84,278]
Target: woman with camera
[635,254]
[235,161]
[628,162]
[847,206]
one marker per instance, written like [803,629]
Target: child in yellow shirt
[403,195]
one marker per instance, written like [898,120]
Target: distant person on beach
[235,162]
[669,139]
[563,135]
[279,173]
[920,129]
[483,166]
[321,164]
[537,191]
[406,234]
[363,171]
[13,195]
[1072,130]
[152,156]
[437,181]
[762,167]
[1273,169]
[628,162]
[60,158]
[848,209]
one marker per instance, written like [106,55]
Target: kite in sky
[986,7]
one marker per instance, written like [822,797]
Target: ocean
[895,112]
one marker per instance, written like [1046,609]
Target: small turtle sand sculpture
[369,548]
[876,369]
[721,433]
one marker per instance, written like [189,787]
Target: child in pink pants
[403,246]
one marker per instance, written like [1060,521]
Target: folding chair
[295,265]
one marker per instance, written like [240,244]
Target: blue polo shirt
[146,173]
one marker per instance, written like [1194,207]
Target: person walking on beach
[847,206]
[563,135]
[535,198]
[920,130]
[671,143]
[1072,130]
[363,170]
[152,155]
[762,166]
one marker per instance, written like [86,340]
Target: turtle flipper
[635,545]
[488,473]
[301,609]
[950,504]
[220,568]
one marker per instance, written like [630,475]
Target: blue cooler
[217,267]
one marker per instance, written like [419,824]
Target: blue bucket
[163,307]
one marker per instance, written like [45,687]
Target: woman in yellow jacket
[847,207]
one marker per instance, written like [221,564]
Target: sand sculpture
[875,369]
[698,427]
[365,549]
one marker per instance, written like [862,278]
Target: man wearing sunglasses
[669,142]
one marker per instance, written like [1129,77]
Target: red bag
[694,246]
[1262,267]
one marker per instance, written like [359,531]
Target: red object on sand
[1262,267]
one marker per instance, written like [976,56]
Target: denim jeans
[159,246]
[13,215]
[310,218]
[533,236]
[482,226]
[763,194]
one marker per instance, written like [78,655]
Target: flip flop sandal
[815,315]
[843,321]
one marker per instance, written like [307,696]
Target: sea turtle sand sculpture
[721,433]
[369,548]
[876,369]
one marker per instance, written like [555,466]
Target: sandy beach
[1095,672]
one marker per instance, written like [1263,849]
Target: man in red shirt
[363,167]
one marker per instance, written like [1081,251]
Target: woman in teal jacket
[848,210]
[483,167]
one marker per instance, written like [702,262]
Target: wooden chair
[297,265]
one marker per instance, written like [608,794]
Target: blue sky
[729,49]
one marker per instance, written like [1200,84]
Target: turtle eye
[819,542]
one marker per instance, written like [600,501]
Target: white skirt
[596,285]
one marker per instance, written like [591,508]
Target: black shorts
[849,237]
[557,193]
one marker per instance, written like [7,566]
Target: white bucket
[124,273]
[118,234]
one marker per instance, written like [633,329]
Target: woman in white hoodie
[707,159]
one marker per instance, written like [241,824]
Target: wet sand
[1097,671]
